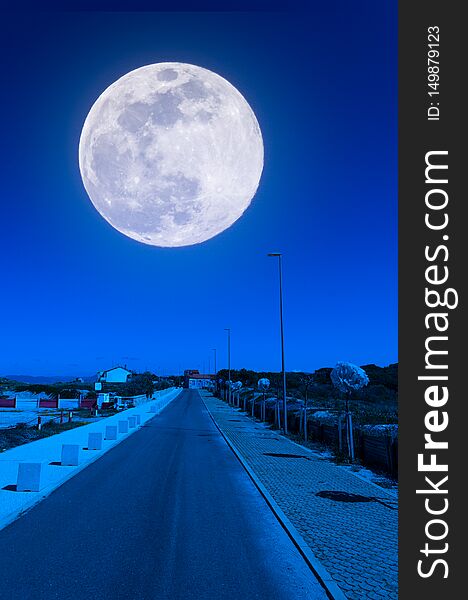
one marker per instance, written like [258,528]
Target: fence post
[395,456]
[39,423]
[340,433]
[350,436]
[389,444]
[61,416]
[70,416]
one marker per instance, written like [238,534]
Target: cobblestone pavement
[354,537]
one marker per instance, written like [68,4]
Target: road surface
[169,513]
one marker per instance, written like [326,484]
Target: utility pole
[283,371]
[215,369]
[228,329]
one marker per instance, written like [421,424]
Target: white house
[115,375]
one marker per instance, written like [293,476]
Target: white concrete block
[111,432]
[132,422]
[70,455]
[138,419]
[29,476]
[94,441]
[123,426]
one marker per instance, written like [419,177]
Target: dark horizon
[68,377]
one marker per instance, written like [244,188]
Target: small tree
[263,385]
[348,378]
[306,381]
[139,384]
[236,387]
[228,391]
[276,384]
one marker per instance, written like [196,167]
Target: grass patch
[22,434]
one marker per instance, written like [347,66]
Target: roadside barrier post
[123,426]
[95,441]
[29,477]
[111,432]
[70,455]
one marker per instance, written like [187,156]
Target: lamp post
[215,370]
[283,372]
[228,329]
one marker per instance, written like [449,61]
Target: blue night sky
[77,296]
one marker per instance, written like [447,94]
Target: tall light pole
[215,370]
[228,329]
[283,372]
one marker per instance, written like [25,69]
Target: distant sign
[98,386]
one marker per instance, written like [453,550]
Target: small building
[194,380]
[115,375]
[102,399]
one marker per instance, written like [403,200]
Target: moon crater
[171,154]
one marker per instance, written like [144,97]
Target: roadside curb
[28,504]
[325,579]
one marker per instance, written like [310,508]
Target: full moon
[171,154]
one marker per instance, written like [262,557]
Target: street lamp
[283,372]
[228,329]
[214,350]
[215,371]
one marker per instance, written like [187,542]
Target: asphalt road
[169,513]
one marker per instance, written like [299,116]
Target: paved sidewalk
[48,450]
[350,525]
